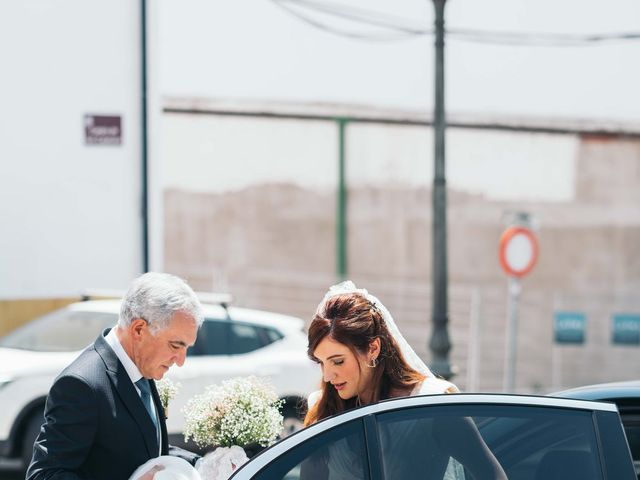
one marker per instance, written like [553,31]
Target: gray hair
[156,298]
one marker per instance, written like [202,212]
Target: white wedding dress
[217,465]
[172,468]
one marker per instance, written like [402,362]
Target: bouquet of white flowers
[241,411]
[167,390]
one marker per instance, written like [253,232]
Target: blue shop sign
[569,328]
[626,329]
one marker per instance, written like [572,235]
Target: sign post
[569,328]
[518,254]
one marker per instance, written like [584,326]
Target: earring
[374,363]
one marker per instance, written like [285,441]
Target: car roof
[603,391]
[107,306]
[260,317]
[265,318]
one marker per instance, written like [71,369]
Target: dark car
[626,395]
[457,437]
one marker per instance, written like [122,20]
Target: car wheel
[292,422]
[31,432]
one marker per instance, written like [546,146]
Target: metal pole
[475,332]
[556,354]
[511,346]
[439,342]
[341,213]
[144,194]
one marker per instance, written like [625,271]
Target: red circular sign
[518,251]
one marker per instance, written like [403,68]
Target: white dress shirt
[132,370]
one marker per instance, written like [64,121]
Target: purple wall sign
[102,129]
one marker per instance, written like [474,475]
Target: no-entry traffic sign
[518,251]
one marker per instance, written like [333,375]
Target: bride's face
[345,371]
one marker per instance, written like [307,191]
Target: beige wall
[14,313]
[272,245]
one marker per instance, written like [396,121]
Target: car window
[244,338]
[269,335]
[212,339]
[632,430]
[631,422]
[615,449]
[60,331]
[465,442]
[338,453]
[227,337]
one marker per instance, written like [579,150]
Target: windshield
[61,331]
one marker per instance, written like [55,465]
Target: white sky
[254,49]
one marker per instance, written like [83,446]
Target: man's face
[155,354]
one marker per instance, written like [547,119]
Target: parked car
[532,438]
[231,342]
[626,395]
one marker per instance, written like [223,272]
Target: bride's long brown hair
[355,322]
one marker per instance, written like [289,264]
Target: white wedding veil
[407,352]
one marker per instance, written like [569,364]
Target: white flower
[239,412]
[167,390]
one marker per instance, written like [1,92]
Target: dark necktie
[145,396]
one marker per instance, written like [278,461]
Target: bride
[363,356]
[364,359]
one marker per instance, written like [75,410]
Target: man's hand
[152,473]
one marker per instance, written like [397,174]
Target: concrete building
[70,152]
[250,202]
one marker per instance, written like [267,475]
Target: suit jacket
[96,426]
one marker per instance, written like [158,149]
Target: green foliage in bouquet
[240,412]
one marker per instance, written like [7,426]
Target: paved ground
[11,475]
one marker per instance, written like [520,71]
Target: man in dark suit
[103,417]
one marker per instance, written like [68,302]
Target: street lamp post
[439,342]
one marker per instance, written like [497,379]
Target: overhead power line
[398,28]
[370,17]
[394,34]
[538,39]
